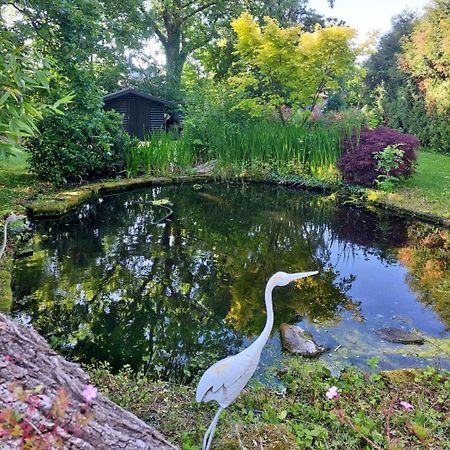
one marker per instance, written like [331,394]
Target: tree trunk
[175,60]
[27,361]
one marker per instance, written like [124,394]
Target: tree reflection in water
[106,284]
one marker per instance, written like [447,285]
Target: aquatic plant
[309,148]
[246,147]
[159,154]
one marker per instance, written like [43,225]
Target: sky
[367,15]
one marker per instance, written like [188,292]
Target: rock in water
[399,336]
[298,341]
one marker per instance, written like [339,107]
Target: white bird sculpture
[10,219]
[225,379]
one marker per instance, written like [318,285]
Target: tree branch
[197,10]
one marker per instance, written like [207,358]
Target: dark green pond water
[105,284]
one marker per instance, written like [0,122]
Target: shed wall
[141,116]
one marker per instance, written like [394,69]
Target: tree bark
[26,360]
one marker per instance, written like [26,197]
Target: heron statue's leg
[207,439]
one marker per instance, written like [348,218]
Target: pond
[107,284]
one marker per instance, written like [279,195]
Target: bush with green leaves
[76,147]
[388,160]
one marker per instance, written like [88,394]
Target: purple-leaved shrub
[358,164]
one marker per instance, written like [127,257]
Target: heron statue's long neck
[5,237]
[262,339]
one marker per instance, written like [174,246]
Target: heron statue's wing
[224,374]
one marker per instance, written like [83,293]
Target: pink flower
[89,393]
[332,393]
[406,406]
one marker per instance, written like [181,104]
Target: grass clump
[159,154]
[367,412]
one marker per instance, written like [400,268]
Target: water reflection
[106,284]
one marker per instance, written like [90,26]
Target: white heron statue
[225,379]
[10,219]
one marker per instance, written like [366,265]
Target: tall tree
[426,55]
[184,26]
[83,39]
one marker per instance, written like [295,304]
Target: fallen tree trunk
[56,410]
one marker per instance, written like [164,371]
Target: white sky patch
[367,16]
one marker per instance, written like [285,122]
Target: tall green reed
[310,149]
[159,154]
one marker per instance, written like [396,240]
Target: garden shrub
[359,165]
[75,146]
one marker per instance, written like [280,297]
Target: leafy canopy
[286,66]
[427,55]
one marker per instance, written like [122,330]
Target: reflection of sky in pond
[385,302]
[107,284]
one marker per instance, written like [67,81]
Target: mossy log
[26,360]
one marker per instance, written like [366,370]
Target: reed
[159,154]
[310,149]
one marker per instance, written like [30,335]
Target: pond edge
[65,201]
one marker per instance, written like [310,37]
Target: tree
[83,39]
[289,67]
[396,92]
[426,55]
[382,66]
[184,26]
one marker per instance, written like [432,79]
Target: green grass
[16,184]
[298,415]
[428,191]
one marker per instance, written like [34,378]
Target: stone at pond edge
[299,342]
[399,336]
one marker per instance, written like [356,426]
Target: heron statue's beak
[298,275]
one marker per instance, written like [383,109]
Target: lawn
[16,184]
[428,191]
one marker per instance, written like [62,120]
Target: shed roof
[139,94]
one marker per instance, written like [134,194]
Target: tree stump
[26,361]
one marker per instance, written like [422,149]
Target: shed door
[139,117]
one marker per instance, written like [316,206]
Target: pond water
[106,284]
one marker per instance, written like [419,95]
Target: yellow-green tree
[281,67]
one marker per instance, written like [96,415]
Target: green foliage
[406,110]
[158,154]
[215,128]
[426,56]
[336,102]
[366,414]
[288,67]
[76,147]
[389,159]
[22,75]
[406,84]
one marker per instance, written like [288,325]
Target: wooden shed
[142,113]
